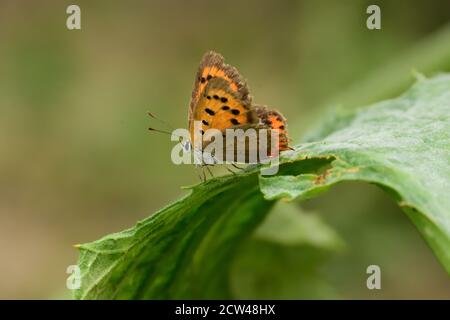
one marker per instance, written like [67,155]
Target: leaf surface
[185,250]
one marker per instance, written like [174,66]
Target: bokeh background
[77,161]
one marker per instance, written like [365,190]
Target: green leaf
[185,250]
[268,270]
[284,258]
[182,251]
[403,145]
[288,225]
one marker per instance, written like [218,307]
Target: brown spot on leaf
[320,179]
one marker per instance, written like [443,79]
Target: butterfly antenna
[161,121]
[160,131]
[165,132]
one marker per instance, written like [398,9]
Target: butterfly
[220,100]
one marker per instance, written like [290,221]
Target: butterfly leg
[237,167]
[204,174]
[229,170]
[210,172]
[201,173]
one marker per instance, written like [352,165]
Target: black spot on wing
[209,111]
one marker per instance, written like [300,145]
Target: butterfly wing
[220,100]
[212,67]
[268,119]
[273,119]
[221,108]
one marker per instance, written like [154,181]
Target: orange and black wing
[211,67]
[273,119]
[221,108]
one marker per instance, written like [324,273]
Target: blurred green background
[77,162]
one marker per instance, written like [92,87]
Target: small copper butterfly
[220,100]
